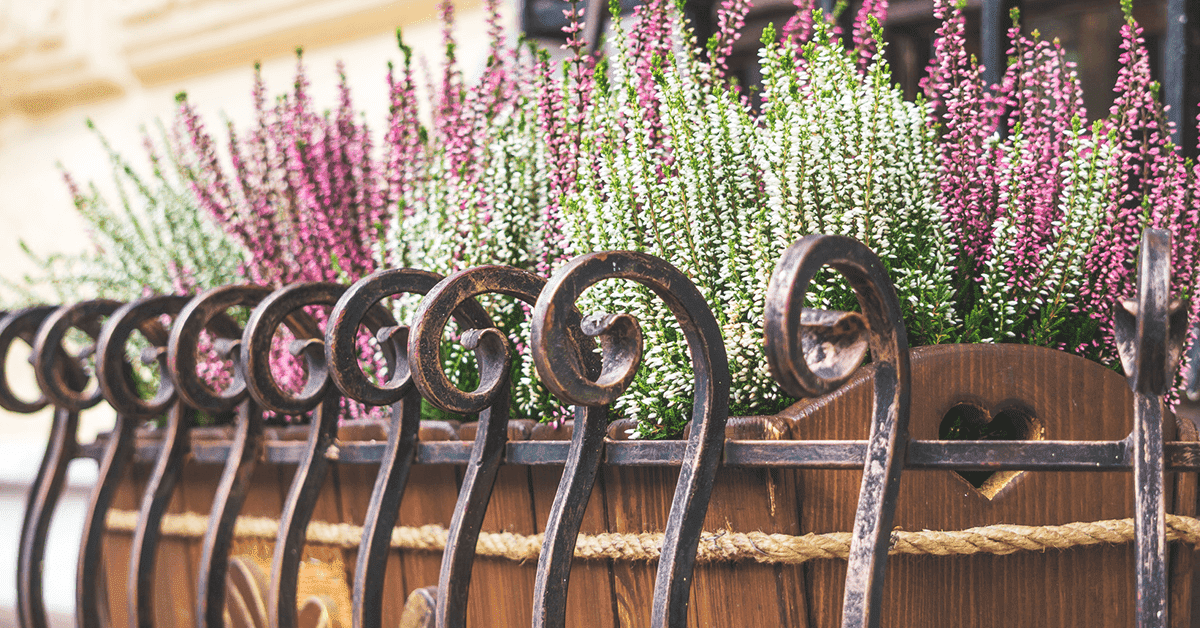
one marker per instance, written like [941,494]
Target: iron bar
[209,311]
[922,455]
[490,400]
[62,380]
[114,377]
[360,305]
[810,352]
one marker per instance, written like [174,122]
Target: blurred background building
[121,62]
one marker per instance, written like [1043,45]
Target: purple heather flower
[863,39]
[1151,190]
[962,106]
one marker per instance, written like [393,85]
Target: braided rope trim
[719,546]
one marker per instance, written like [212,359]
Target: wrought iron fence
[810,353]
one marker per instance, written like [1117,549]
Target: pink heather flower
[73,188]
[799,28]
[1152,190]
[1042,94]
[731,17]
[651,46]
[183,280]
[206,177]
[309,197]
[863,39]
[562,106]
[961,104]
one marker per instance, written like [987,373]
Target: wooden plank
[502,590]
[1070,399]
[264,499]
[174,569]
[196,490]
[748,593]
[747,500]
[117,545]
[638,500]
[428,499]
[356,484]
[324,572]
[1182,562]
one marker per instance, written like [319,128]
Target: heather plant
[1000,212]
[313,199]
[1151,189]
[1046,210]
[153,241]
[686,171]
[304,194]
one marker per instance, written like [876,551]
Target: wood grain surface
[1070,399]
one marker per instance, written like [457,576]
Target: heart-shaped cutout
[970,421]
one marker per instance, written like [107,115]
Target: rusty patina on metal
[565,373]
[814,352]
[354,309]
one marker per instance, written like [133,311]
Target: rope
[719,546]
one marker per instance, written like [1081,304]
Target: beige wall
[120,63]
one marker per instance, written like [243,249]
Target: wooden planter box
[1035,393]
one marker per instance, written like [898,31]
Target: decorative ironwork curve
[360,305]
[62,380]
[114,376]
[813,352]
[205,311]
[1149,334]
[23,324]
[244,451]
[19,324]
[490,399]
[286,306]
[567,376]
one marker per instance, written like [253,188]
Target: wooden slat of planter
[638,500]
[751,500]
[1182,562]
[328,508]
[428,499]
[263,500]
[501,590]
[1073,400]
[196,491]
[749,593]
[174,569]
[355,485]
[117,547]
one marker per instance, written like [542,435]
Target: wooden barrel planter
[1016,505]
[1021,390]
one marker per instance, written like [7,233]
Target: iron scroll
[353,309]
[207,311]
[62,380]
[115,379]
[813,352]
[567,376]
[285,305]
[490,400]
[1149,334]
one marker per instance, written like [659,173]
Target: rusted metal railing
[585,361]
